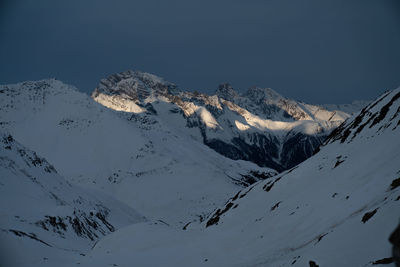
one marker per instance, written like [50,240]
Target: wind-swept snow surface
[337,208]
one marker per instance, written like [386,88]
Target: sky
[317,51]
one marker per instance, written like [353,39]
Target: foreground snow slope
[144,162]
[260,125]
[338,208]
[45,218]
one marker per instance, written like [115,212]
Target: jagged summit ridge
[343,198]
[259,94]
[226,91]
[262,126]
[259,125]
[338,208]
[121,150]
[374,118]
[134,85]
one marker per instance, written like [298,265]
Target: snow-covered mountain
[352,108]
[134,185]
[143,161]
[259,126]
[43,214]
[147,165]
[338,208]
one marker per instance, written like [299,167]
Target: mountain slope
[343,201]
[260,125]
[150,165]
[337,208]
[44,215]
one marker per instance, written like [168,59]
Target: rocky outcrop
[259,125]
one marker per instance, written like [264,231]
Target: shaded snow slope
[337,208]
[352,108]
[42,214]
[146,163]
[260,125]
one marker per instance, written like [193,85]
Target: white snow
[118,103]
[135,165]
[312,213]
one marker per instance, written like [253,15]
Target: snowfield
[259,125]
[140,162]
[144,177]
[44,216]
[338,208]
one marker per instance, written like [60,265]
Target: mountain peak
[258,94]
[139,75]
[134,85]
[226,91]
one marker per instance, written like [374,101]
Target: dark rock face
[259,153]
[85,225]
[367,117]
[368,215]
[135,85]
[226,91]
[395,240]
[276,148]
[298,148]
[265,151]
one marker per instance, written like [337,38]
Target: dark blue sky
[319,51]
